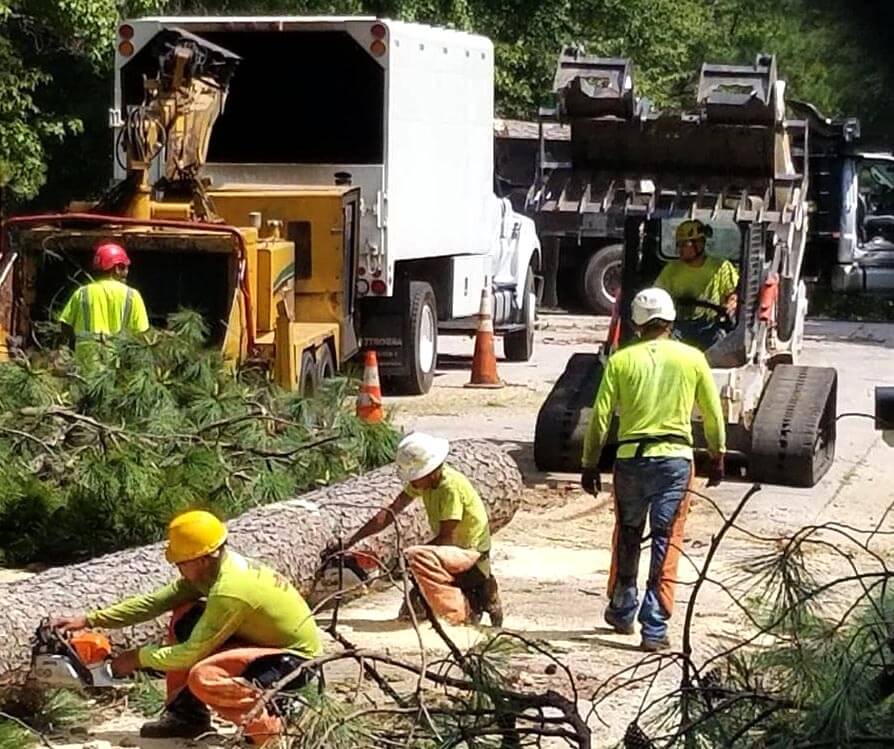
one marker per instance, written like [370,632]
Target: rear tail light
[378,31]
[125,31]
[125,49]
[378,286]
[377,48]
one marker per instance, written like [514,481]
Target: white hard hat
[419,454]
[652,304]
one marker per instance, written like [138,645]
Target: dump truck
[851,243]
[731,162]
[311,184]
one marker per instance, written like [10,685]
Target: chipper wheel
[564,416]
[793,435]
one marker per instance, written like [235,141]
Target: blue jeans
[657,488]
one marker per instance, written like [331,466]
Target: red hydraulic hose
[97,218]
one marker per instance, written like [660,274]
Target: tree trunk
[288,535]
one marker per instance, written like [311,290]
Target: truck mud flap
[793,434]
[564,416]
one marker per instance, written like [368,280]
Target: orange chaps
[435,569]
[218,681]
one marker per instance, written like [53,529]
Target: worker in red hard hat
[107,305]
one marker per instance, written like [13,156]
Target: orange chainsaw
[76,661]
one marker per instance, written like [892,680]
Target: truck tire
[601,279]
[520,346]
[308,378]
[422,340]
[793,434]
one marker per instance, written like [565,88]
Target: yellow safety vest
[105,307]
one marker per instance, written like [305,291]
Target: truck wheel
[308,378]
[520,346]
[325,364]
[601,280]
[422,350]
[793,434]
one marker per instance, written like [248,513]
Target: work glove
[591,481]
[715,470]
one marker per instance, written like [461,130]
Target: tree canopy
[56,60]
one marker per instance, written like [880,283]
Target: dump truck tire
[520,346]
[597,284]
[565,415]
[793,434]
[421,341]
[287,535]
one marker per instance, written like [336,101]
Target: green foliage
[13,736]
[148,695]
[103,446]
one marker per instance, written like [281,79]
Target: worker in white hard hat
[453,570]
[703,287]
[652,384]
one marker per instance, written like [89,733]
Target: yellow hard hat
[692,229]
[194,534]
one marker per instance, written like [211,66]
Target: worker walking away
[702,286]
[453,570]
[652,384]
[237,627]
[106,306]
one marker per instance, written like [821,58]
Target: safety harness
[654,439]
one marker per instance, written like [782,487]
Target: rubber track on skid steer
[565,415]
[793,434]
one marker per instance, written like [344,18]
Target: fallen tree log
[288,535]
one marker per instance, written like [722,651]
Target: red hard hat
[109,255]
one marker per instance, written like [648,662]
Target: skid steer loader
[737,164]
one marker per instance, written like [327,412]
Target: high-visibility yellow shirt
[248,601]
[713,281]
[653,386]
[105,307]
[454,498]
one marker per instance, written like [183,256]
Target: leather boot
[418,608]
[492,605]
[185,717]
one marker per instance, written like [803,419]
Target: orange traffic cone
[484,362]
[369,399]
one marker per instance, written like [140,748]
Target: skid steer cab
[780,416]
[274,282]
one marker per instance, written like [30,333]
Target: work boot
[171,725]
[616,623]
[492,605]
[418,608]
[653,645]
[185,717]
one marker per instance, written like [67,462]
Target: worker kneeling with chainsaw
[453,571]
[237,627]
[652,384]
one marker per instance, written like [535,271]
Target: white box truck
[403,111]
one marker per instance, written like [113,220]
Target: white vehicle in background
[404,112]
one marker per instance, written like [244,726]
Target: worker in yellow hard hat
[703,287]
[106,305]
[237,627]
